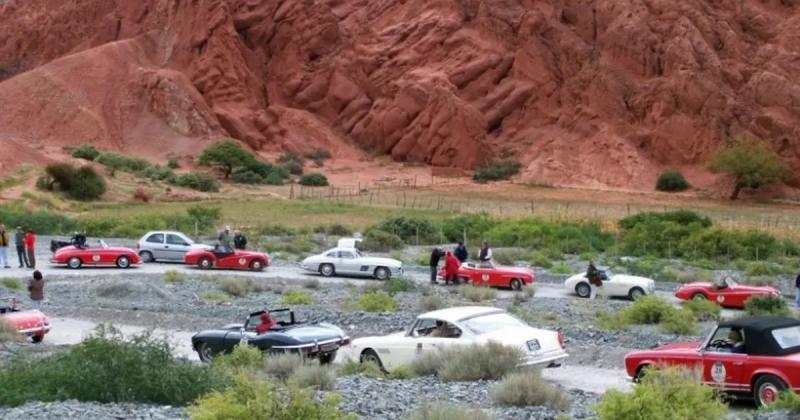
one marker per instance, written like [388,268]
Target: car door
[176,247]
[481,276]
[612,287]
[155,243]
[452,337]
[347,263]
[721,368]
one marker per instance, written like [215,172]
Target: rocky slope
[581,91]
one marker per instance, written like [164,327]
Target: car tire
[205,263]
[326,359]
[327,270]
[146,256]
[205,352]
[767,389]
[699,296]
[37,338]
[583,290]
[257,265]
[515,284]
[382,273]
[637,378]
[463,280]
[123,262]
[369,355]
[74,263]
[635,293]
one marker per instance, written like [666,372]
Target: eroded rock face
[582,92]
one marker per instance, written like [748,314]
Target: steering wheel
[719,343]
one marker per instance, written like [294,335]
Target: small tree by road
[752,164]
[225,155]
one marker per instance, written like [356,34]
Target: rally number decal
[718,372]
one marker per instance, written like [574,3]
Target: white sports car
[616,285]
[351,262]
[460,326]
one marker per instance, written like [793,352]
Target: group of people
[224,240]
[25,240]
[454,259]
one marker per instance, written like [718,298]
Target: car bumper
[547,359]
[397,272]
[40,330]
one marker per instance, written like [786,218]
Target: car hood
[627,278]
[688,345]
[25,319]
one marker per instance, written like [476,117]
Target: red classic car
[757,356]
[233,260]
[493,275]
[726,292]
[32,323]
[76,257]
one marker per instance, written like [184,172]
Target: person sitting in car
[266,323]
[736,341]
[438,330]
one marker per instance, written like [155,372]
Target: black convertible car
[319,341]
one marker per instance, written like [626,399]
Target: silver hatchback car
[165,246]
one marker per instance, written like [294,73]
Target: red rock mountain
[592,92]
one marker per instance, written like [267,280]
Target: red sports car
[234,260]
[76,257]
[726,292]
[758,357]
[493,275]
[32,323]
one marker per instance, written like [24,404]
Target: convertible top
[758,334]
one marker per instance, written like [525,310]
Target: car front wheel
[205,352]
[698,296]
[37,338]
[583,290]
[369,356]
[516,284]
[74,262]
[327,270]
[767,389]
[327,358]
[256,266]
[635,293]
[146,256]
[123,262]
[205,263]
[382,273]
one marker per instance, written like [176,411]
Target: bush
[85,151]
[565,238]
[761,268]
[787,400]
[612,321]
[199,181]
[238,287]
[205,216]
[477,293]
[402,373]
[141,195]
[378,240]
[213,296]
[105,367]
[681,217]
[377,301]
[251,399]
[561,268]
[409,229]
[527,387]
[314,180]
[296,297]
[446,411]
[283,366]
[226,156]
[45,222]
[475,225]
[704,310]
[245,176]
[269,173]
[158,173]
[496,171]
[540,260]
[172,276]
[396,285]
[59,174]
[671,181]
[368,369]
[11,283]
[752,163]
[430,303]
[766,305]
[122,162]
[293,167]
[173,164]
[86,184]
[243,359]
[668,394]
[490,361]
[315,376]
[681,322]
[311,283]
[649,310]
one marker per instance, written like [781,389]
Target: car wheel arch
[637,376]
[767,372]
[581,284]
[368,350]
[772,376]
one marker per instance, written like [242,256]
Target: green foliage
[526,388]
[315,376]
[198,181]
[368,369]
[396,285]
[649,310]
[293,167]
[540,260]
[668,394]
[334,229]
[787,400]
[680,322]
[59,174]
[85,151]
[430,303]
[671,181]
[107,368]
[477,293]
[402,373]
[11,283]
[159,173]
[561,268]
[475,225]
[376,301]
[283,366]
[751,163]
[296,297]
[440,410]
[703,310]
[204,215]
[45,222]
[122,162]
[409,228]
[314,179]
[213,296]
[238,287]
[86,184]
[761,268]
[565,238]
[243,359]
[681,217]
[226,156]
[766,305]
[490,361]
[258,172]
[496,171]
[173,164]
[378,240]
[244,176]
[612,321]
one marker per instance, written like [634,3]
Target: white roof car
[165,246]
[352,262]
[616,285]
[461,326]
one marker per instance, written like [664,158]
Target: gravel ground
[72,409]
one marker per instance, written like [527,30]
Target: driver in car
[438,330]
[721,284]
[736,341]
[266,323]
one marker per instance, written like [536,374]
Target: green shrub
[665,394]
[368,369]
[526,388]
[335,229]
[612,321]
[681,322]
[490,361]
[311,283]
[396,285]
[441,410]
[283,366]
[561,268]
[377,301]
[315,376]
[213,296]
[85,151]
[172,276]
[238,287]
[294,168]
[204,215]
[649,310]
[646,267]
[59,174]
[314,179]
[477,293]
[86,184]
[474,225]
[121,162]
[243,359]
[245,176]
[409,229]
[766,305]
[8,332]
[11,283]
[173,164]
[252,399]
[225,155]
[45,222]
[402,373]
[681,217]
[761,268]
[159,173]
[296,297]
[704,310]
[106,367]
[540,260]
[496,171]
[671,181]
[199,181]
[787,400]
[430,303]
[378,240]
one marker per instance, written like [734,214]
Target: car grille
[533,345]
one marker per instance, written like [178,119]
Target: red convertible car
[76,257]
[758,357]
[233,260]
[32,323]
[726,292]
[493,275]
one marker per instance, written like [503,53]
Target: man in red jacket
[266,323]
[451,266]
[30,242]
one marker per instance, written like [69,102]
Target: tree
[751,163]
[227,155]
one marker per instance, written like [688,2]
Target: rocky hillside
[580,91]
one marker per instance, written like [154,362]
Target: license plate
[534,345]
[329,347]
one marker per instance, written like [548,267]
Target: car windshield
[103,244]
[485,324]
[787,337]
[359,254]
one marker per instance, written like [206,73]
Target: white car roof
[453,315]
[341,249]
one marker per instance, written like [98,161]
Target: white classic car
[614,285]
[460,326]
[351,262]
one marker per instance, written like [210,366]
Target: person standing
[4,246]
[19,240]
[451,266]
[461,252]
[485,255]
[36,290]
[436,255]
[225,239]
[595,280]
[30,244]
[239,240]
[797,287]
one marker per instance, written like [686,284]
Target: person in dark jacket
[239,240]
[436,255]
[595,279]
[797,286]
[461,252]
[36,290]
[19,240]
[485,255]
